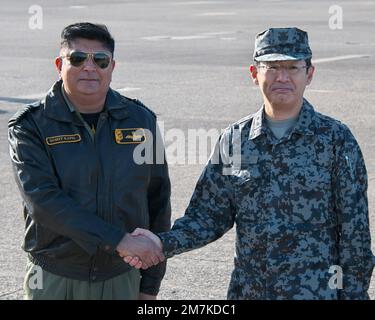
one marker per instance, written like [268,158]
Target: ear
[310,74]
[113,64]
[58,64]
[254,74]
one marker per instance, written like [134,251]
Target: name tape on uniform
[66,138]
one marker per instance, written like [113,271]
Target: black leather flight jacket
[83,192]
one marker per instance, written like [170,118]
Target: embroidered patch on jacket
[130,136]
[66,138]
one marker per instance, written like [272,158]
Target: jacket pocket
[249,175]
[310,193]
[248,194]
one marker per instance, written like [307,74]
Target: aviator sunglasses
[77,58]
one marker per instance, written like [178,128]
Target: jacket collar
[306,121]
[56,107]
[257,126]
[305,124]
[115,104]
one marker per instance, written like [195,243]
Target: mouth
[88,80]
[282,89]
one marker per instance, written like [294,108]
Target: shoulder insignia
[140,103]
[19,115]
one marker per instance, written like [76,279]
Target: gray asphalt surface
[188,61]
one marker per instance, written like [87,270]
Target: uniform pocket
[310,190]
[250,174]
[248,193]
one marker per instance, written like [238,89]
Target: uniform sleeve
[46,203]
[210,212]
[355,255]
[159,206]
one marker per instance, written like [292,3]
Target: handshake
[141,249]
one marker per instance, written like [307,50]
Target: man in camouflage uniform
[294,182]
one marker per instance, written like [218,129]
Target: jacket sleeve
[159,207]
[354,246]
[44,199]
[210,212]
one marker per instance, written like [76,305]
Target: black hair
[308,63]
[90,31]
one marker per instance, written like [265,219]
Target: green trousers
[42,285]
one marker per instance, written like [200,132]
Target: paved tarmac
[188,61]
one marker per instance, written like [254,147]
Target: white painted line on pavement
[215,14]
[194,37]
[205,35]
[158,38]
[350,56]
[228,38]
[127,89]
[217,33]
[187,3]
[77,7]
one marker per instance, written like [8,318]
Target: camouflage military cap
[278,44]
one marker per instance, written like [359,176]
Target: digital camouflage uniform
[299,204]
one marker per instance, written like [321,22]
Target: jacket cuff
[170,244]
[150,285]
[111,240]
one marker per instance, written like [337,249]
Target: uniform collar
[258,124]
[115,104]
[305,124]
[70,105]
[59,108]
[306,121]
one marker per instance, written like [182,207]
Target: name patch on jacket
[66,138]
[130,136]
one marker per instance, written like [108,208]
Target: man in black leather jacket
[90,170]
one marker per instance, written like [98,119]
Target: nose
[283,75]
[89,64]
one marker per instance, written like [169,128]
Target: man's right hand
[139,246]
[136,261]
